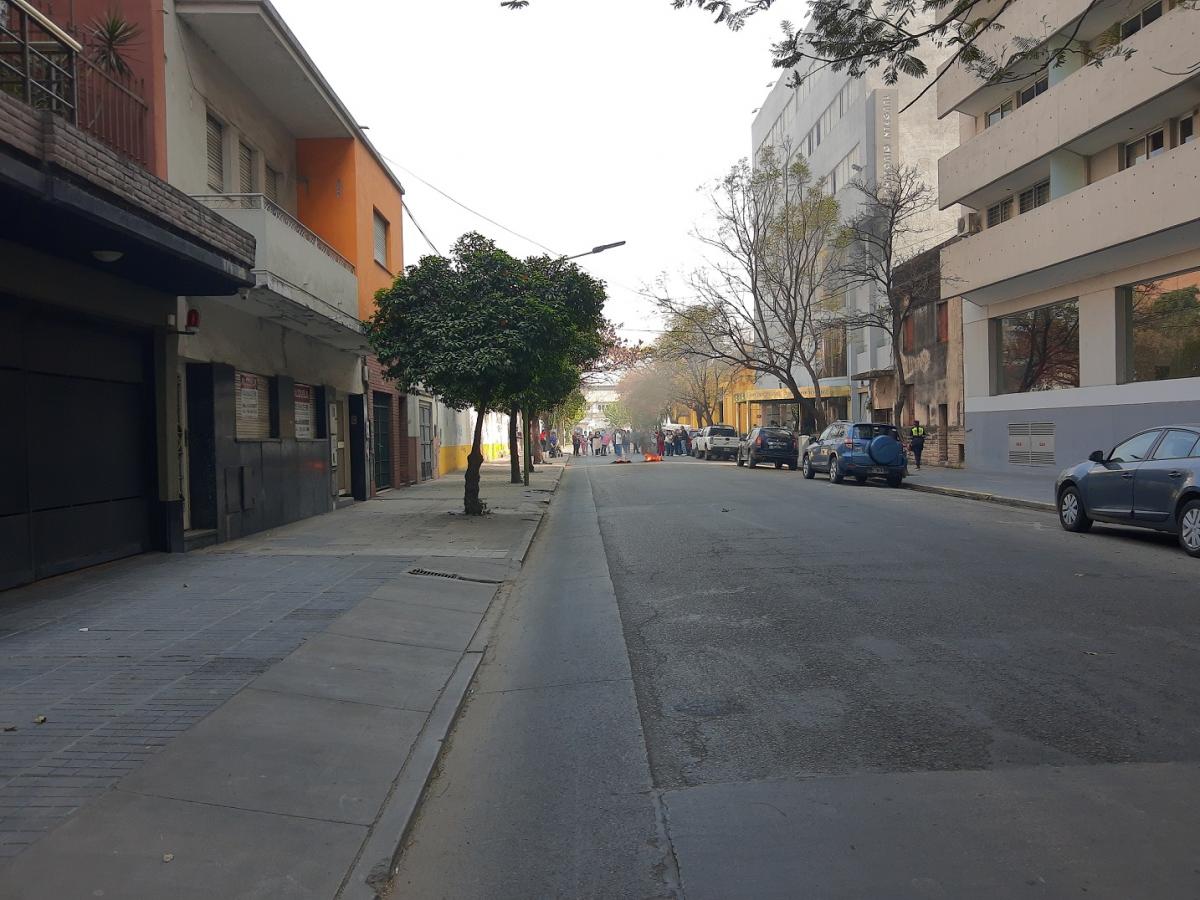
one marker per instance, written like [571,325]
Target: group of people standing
[622,441]
[673,442]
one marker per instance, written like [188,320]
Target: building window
[245,169]
[306,419]
[1132,26]
[381,239]
[1145,148]
[1036,89]
[252,407]
[1003,111]
[1038,350]
[271,185]
[216,154]
[1187,129]
[1000,213]
[833,352]
[1038,195]
[943,322]
[1162,328]
[908,336]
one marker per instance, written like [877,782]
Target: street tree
[766,298]
[461,327]
[645,395]
[698,382]
[884,255]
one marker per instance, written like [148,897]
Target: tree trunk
[528,445]
[514,447]
[472,505]
[901,392]
[538,459]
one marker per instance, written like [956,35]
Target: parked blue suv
[860,450]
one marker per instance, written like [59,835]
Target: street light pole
[599,249]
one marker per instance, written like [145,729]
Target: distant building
[1081,269]
[846,128]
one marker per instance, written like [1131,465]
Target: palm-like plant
[111,36]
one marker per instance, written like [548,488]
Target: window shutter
[245,169]
[381,234]
[252,407]
[271,188]
[216,155]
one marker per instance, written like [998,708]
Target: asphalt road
[745,684]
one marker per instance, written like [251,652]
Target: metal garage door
[76,469]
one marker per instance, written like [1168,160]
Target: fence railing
[261,201]
[43,66]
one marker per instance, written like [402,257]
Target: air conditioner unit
[968,224]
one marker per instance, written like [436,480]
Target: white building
[845,128]
[1082,321]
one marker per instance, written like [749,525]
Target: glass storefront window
[1038,349]
[1162,328]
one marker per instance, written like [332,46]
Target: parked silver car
[1151,480]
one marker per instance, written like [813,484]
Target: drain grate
[429,573]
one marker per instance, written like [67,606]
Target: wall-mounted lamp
[191,326]
[107,256]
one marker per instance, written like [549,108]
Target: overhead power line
[413,219]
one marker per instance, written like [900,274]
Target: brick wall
[400,450]
[42,135]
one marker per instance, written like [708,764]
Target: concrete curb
[981,496]
[379,861]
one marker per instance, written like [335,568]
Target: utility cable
[413,219]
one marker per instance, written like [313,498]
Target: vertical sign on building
[887,143]
[304,412]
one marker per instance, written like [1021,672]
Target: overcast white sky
[573,122]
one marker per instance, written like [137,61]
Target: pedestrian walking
[916,440]
[544,439]
[660,442]
[618,441]
[595,443]
[575,443]
[605,440]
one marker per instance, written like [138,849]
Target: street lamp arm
[599,249]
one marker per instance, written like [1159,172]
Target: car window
[1135,449]
[777,433]
[1176,445]
[867,432]
[722,431]
[826,433]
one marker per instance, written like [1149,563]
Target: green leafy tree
[461,327]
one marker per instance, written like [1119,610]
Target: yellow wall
[454,459]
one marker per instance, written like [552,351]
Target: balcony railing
[46,68]
[261,201]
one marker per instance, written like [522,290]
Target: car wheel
[740,461]
[779,465]
[895,480]
[1071,514]
[1189,527]
[792,466]
[751,461]
[808,469]
[861,479]
[835,471]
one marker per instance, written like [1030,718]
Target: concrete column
[1068,173]
[1098,354]
[1072,62]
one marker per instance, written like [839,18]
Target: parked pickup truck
[715,442]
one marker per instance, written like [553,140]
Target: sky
[572,122]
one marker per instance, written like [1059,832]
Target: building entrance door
[339,460]
[426,440]
[381,406]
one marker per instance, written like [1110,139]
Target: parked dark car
[860,450]
[1151,480]
[769,445]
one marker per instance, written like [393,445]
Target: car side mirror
[1096,456]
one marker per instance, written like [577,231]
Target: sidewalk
[257,719]
[1032,488]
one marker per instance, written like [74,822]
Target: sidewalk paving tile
[118,852]
[336,667]
[404,622]
[287,754]
[447,593]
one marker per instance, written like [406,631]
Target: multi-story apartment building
[95,251]
[1081,271]
[848,128]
